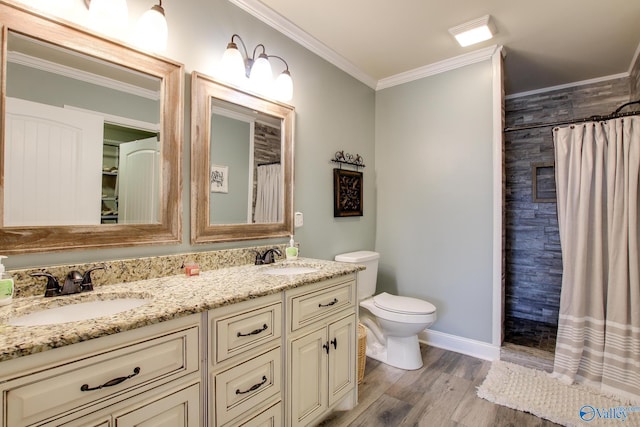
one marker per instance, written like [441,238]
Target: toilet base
[400,352]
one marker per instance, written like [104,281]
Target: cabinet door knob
[335,343]
[326,347]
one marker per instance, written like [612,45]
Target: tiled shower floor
[527,333]
[528,343]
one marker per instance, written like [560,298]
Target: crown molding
[295,33]
[440,67]
[567,86]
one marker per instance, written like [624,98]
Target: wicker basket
[362,351]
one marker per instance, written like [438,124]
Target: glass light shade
[261,77]
[151,30]
[232,65]
[475,31]
[284,87]
[474,36]
[109,16]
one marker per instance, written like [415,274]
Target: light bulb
[261,77]
[151,30]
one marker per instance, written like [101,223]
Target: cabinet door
[342,357]
[52,154]
[179,409]
[308,377]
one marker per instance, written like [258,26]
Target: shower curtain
[269,194]
[597,176]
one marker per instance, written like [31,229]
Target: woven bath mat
[538,393]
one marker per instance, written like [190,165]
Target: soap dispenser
[6,285]
[292,250]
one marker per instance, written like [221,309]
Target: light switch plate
[298,220]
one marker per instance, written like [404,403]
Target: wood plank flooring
[440,394]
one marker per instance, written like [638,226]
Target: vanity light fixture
[151,31]
[475,31]
[255,72]
[108,16]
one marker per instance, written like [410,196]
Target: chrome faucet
[268,257]
[74,283]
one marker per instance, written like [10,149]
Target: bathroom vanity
[249,345]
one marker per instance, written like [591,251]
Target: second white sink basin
[76,312]
[287,271]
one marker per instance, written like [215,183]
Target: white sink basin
[76,312]
[288,271]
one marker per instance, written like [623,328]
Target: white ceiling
[547,42]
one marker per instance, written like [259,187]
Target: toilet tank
[366,278]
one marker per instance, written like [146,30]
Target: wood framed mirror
[67,190]
[241,164]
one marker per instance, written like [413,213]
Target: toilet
[392,322]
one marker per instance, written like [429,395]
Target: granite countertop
[168,298]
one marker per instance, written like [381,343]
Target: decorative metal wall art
[349,159]
[347,193]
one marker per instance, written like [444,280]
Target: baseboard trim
[479,349]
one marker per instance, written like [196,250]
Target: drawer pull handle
[335,301]
[111,383]
[254,332]
[253,387]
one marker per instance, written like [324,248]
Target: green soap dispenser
[292,251]
[6,285]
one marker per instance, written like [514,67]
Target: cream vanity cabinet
[245,363]
[321,345]
[147,375]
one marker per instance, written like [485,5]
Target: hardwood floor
[440,394]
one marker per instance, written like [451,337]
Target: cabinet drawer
[248,385]
[310,307]
[239,332]
[87,381]
[271,417]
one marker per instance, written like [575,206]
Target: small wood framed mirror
[241,164]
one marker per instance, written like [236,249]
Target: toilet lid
[404,305]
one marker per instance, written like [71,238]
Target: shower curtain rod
[616,114]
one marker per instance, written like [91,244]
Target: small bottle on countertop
[292,250]
[6,285]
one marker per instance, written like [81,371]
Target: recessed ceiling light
[475,31]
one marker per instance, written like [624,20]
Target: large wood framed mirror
[91,139]
[241,164]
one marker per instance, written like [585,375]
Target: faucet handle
[259,259]
[53,286]
[87,285]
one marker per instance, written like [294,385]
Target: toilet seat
[394,316]
[403,305]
